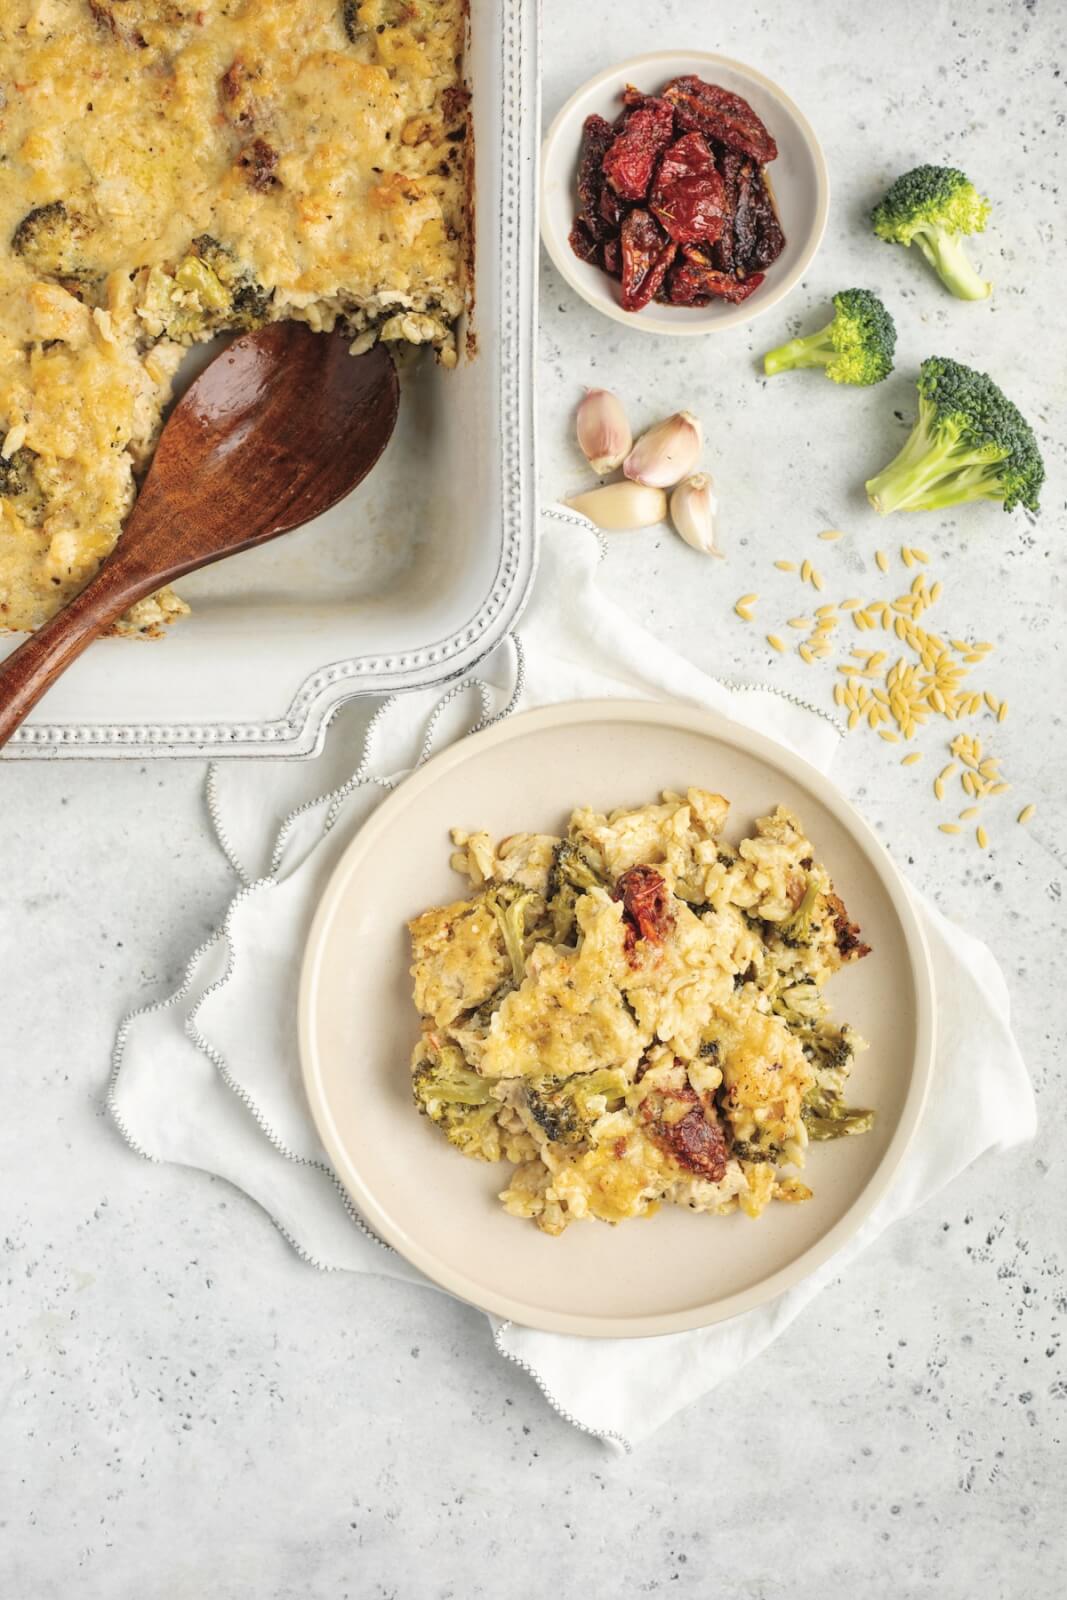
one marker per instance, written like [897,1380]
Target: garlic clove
[603,432]
[667,452]
[616,506]
[694,505]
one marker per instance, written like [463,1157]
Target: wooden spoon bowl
[278,428]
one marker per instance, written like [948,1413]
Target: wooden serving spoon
[280,426]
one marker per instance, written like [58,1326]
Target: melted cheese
[317,146]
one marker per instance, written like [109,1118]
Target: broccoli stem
[946,254]
[817,350]
[931,472]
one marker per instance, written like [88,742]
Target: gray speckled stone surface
[186,1410]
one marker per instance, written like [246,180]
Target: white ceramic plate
[358,1025]
[798,179]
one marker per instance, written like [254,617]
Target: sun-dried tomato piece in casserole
[694,1137]
[646,903]
[720,115]
[687,197]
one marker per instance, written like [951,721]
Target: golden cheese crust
[176,168]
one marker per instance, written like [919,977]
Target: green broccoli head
[856,347]
[566,1108]
[16,471]
[826,1116]
[458,1102]
[969,443]
[218,292]
[571,875]
[51,240]
[934,208]
[570,866]
[509,904]
[799,928]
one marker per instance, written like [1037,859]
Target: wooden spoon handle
[37,663]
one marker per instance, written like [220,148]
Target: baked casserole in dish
[176,169]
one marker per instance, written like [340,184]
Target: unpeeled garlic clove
[667,452]
[616,506]
[694,504]
[603,432]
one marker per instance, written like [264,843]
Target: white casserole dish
[409,581]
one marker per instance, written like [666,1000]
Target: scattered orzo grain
[805,570]
[909,761]
[948,827]
[882,560]
[786,566]
[817,581]
[1026,813]
[831,533]
[906,556]
[968,812]
[775,643]
[982,837]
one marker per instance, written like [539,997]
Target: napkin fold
[208,1076]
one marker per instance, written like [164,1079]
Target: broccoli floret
[570,876]
[856,347]
[225,293]
[826,1116]
[798,929]
[509,905]
[969,443]
[16,471]
[458,1101]
[934,207]
[50,239]
[566,1108]
[570,866]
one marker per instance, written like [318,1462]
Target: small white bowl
[798,180]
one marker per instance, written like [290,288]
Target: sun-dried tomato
[770,240]
[695,282]
[744,218]
[695,1140]
[647,254]
[687,197]
[582,242]
[597,137]
[646,902]
[611,211]
[730,164]
[259,160]
[720,115]
[672,199]
[846,934]
[631,159]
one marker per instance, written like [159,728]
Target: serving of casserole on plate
[174,171]
[708,1094]
[632,1014]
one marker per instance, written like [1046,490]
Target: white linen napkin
[209,1077]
